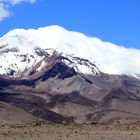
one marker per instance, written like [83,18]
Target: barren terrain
[40,131]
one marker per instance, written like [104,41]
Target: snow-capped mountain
[21,50]
[66,77]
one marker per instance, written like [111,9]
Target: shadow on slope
[34,105]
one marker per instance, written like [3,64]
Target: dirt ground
[39,131]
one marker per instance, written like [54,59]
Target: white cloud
[5,5]
[14,2]
[3,12]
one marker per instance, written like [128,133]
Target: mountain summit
[22,49]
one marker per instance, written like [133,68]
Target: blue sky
[116,21]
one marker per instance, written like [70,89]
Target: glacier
[108,57]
